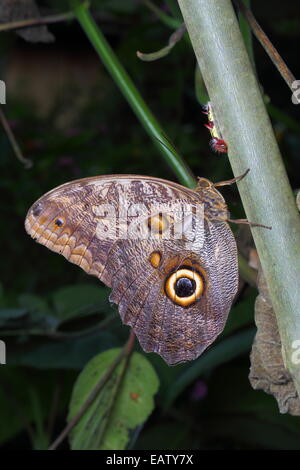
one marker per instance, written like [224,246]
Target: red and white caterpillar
[217,143]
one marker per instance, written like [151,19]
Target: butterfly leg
[245,221]
[240,221]
[233,180]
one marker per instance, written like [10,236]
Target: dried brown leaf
[267,371]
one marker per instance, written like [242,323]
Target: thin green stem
[133,97]
[166,19]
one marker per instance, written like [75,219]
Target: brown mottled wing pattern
[83,207]
[84,221]
[176,333]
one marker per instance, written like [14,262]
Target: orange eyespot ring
[184,286]
[158,224]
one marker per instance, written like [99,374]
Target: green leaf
[241,314]
[78,300]
[40,315]
[1,293]
[19,388]
[34,303]
[12,316]
[73,353]
[12,313]
[33,313]
[119,407]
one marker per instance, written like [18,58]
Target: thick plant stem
[266,193]
[133,96]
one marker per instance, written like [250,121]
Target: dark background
[71,121]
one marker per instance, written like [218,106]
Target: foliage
[55,319]
[120,407]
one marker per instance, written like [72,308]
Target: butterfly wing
[123,229]
[84,219]
[176,332]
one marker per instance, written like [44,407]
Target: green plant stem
[116,390]
[266,193]
[133,96]
[94,393]
[166,19]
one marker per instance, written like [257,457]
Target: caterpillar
[217,143]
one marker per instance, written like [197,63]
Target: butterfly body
[166,251]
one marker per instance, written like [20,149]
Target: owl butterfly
[166,251]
